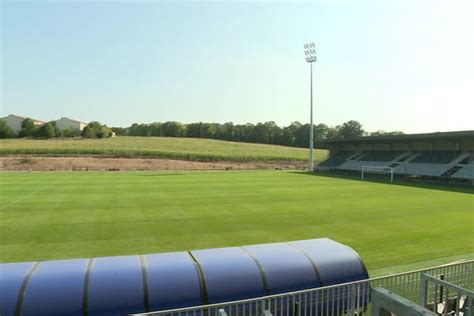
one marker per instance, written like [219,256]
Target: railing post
[263,311]
[385,302]
[423,290]
[352,298]
[222,312]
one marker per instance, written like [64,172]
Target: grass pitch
[74,214]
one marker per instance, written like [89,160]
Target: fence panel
[343,299]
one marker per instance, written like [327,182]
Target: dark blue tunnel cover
[229,274]
[172,281]
[56,286]
[11,279]
[285,268]
[116,286]
[335,262]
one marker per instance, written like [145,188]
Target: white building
[14,121]
[65,122]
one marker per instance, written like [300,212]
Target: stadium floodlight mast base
[310,56]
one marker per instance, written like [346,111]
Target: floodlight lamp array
[310,52]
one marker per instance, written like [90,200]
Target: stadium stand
[466,172]
[337,159]
[380,155]
[438,156]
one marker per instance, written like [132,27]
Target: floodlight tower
[310,56]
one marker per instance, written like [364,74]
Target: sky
[391,65]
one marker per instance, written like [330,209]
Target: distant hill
[195,149]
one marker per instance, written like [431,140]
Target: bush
[70,132]
[88,132]
[96,130]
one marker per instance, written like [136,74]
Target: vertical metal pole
[311,144]
[423,290]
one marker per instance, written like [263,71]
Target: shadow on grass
[402,182]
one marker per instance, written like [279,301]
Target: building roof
[69,119]
[24,117]
[406,137]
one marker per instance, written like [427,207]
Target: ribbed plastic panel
[335,262]
[168,289]
[229,274]
[12,276]
[113,286]
[284,267]
[47,288]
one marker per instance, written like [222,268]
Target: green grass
[68,214]
[162,147]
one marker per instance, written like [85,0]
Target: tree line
[296,134]
[50,130]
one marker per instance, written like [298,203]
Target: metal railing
[386,303]
[445,298]
[342,299]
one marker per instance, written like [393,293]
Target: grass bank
[159,147]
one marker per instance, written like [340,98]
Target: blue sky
[392,65]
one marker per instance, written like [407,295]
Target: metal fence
[445,297]
[343,299]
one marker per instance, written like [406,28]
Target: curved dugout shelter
[134,284]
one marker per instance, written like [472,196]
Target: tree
[225,131]
[193,129]
[273,131]
[296,134]
[351,129]
[138,130]
[172,129]
[260,134]
[27,128]
[119,131]
[242,132]
[71,132]
[103,132]
[287,136]
[96,130]
[333,132]
[208,130]
[6,131]
[320,132]
[155,129]
[302,134]
[47,130]
[384,133]
[88,132]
